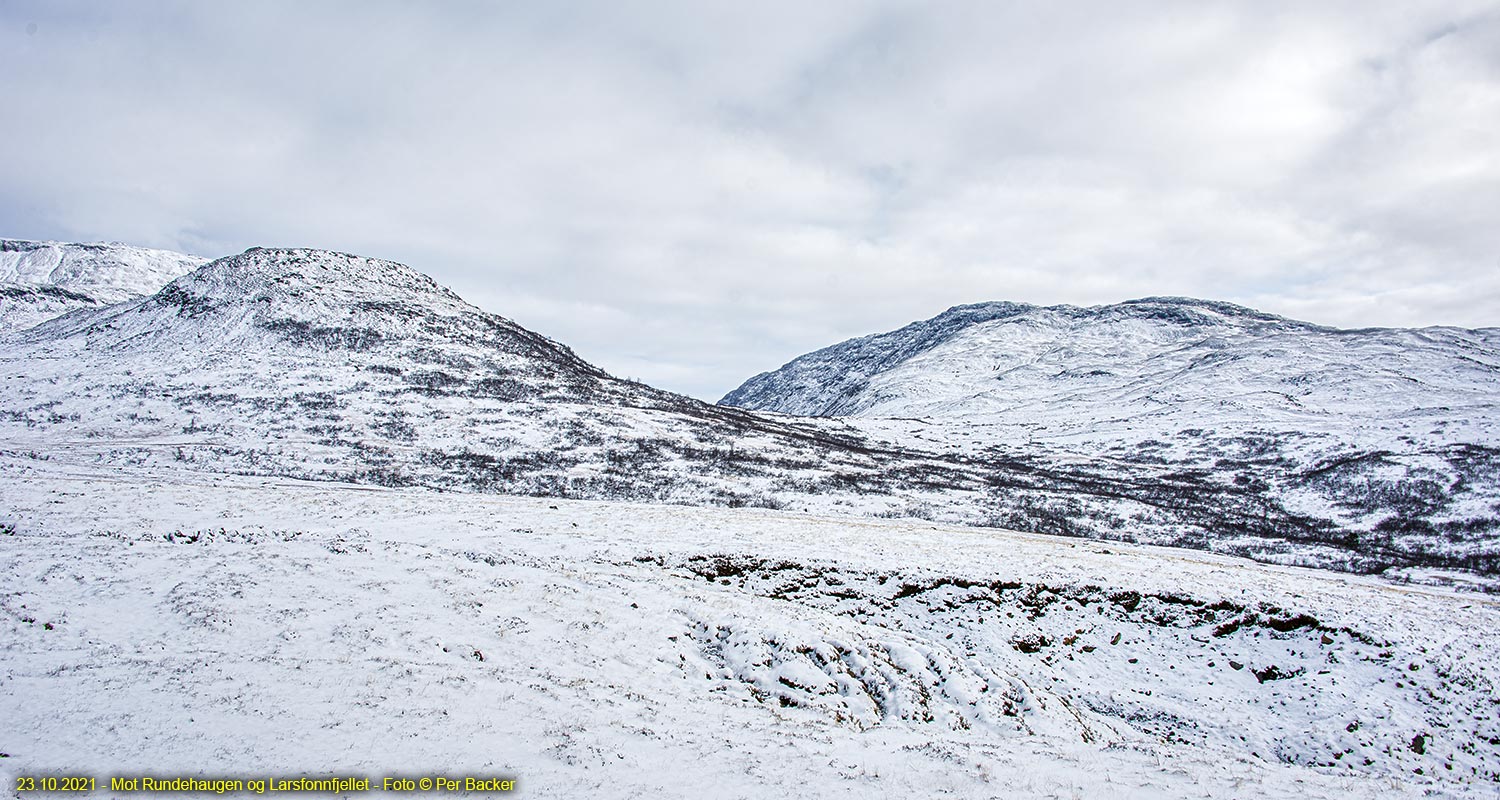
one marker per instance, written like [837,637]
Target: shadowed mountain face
[1390,437]
[329,366]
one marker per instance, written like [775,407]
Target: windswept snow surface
[174,622]
[42,280]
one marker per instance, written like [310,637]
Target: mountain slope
[1392,436]
[329,365]
[1143,355]
[42,280]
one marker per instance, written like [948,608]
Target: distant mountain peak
[105,272]
[1184,310]
[981,357]
[307,275]
[1168,420]
[40,281]
[332,264]
[1189,310]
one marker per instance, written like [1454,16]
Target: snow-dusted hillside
[1391,437]
[328,365]
[311,364]
[172,622]
[42,280]
[230,543]
[1126,366]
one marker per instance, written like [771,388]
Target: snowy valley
[312,512]
[208,625]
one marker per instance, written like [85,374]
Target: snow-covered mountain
[230,541]
[42,280]
[320,365]
[1391,436]
[328,365]
[1136,362]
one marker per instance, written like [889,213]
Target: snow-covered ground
[187,586]
[168,622]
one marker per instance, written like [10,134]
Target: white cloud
[691,194]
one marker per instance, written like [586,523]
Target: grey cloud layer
[692,193]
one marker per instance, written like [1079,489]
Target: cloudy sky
[691,193]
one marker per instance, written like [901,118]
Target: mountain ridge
[1390,435]
[318,364]
[106,271]
[312,364]
[797,387]
[42,280]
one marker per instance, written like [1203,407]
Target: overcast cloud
[693,193]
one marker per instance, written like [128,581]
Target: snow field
[220,624]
